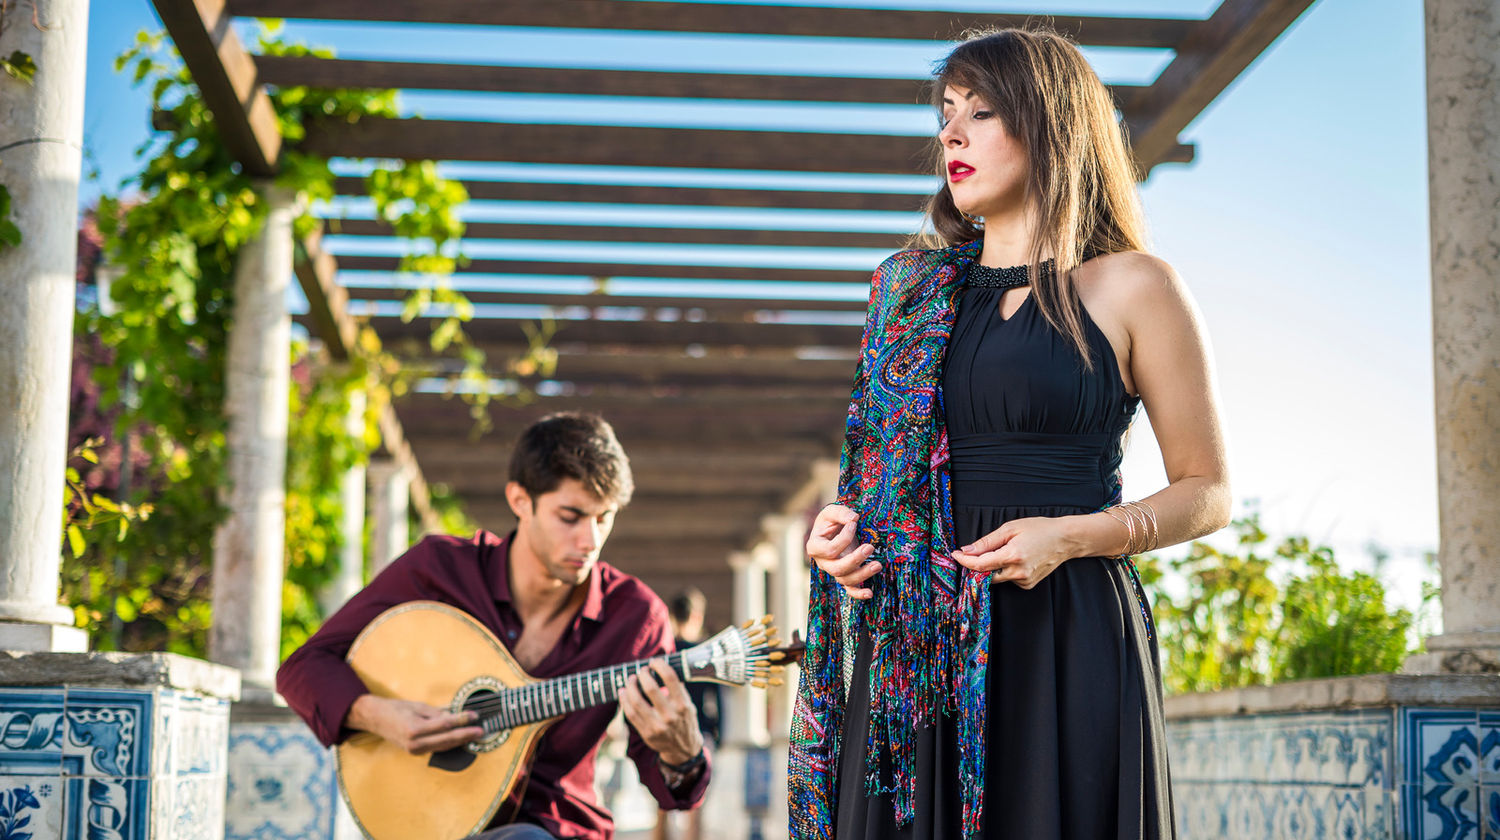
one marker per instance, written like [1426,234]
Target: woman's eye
[983,115]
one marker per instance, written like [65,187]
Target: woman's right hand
[831,546]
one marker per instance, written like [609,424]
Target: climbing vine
[21,67]
[171,242]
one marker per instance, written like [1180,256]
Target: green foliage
[325,452]
[450,512]
[85,510]
[1237,626]
[1336,623]
[10,235]
[174,241]
[19,66]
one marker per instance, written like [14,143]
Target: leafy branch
[84,509]
[174,241]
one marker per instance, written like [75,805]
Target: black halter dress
[1074,737]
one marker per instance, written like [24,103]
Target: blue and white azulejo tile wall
[1393,773]
[111,764]
[1317,775]
[1450,773]
[281,783]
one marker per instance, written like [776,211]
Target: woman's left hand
[1022,551]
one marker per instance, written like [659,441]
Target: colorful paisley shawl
[929,617]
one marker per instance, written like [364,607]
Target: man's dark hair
[685,603]
[575,445]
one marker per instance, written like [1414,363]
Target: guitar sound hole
[484,697]
[479,700]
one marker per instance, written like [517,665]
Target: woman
[981,658]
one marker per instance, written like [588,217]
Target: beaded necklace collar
[1009,277]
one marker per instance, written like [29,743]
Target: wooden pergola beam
[677,469]
[358,262]
[1207,61]
[645,456]
[704,427]
[226,76]
[327,301]
[600,145]
[715,308]
[715,484]
[763,19]
[673,235]
[617,145]
[687,196]
[313,71]
[484,332]
[678,366]
[655,515]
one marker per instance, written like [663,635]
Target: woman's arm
[1171,367]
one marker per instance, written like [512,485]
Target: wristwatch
[676,774]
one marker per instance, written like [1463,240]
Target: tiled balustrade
[1388,757]
[109,746]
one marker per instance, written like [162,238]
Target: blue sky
[1301,227]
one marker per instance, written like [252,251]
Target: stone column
[745,723]
[41,139]
[351,576]
[390,498]
[248,545]
[1463,133]
[787,537]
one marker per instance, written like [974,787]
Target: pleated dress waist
[1036,469]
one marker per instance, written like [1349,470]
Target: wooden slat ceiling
[724,389]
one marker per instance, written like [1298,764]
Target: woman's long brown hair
[1082,177]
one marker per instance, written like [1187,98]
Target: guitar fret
[564,695]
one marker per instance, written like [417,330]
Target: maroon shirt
[621,621]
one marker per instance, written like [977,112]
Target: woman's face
[984,163]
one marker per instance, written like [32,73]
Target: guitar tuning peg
[777,682]
[776,669]
[776,656]
[749,622]
[767,619]
[758,683]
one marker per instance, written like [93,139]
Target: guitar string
[537,696]
[513,707]
[534,696]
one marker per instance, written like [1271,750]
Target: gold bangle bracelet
[1123,520]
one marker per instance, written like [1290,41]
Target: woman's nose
[951,136]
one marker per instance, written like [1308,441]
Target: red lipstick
[958,170]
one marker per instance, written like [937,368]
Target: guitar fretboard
[556,697]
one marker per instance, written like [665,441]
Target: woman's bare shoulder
[1131,280]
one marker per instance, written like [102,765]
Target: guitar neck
[552,698]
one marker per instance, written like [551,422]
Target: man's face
[565,528]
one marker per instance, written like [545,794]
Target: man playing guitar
[544,593]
